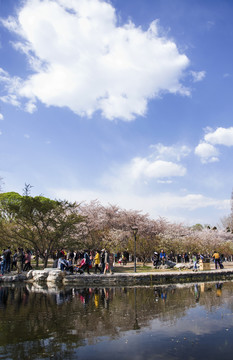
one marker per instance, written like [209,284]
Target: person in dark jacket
[7,255]
[162,256]
[103,260]
[87,262]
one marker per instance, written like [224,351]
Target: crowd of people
[18,260]
[73,261]
[160,258]
[101,262]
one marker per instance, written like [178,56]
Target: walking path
[51,276]
[149,278]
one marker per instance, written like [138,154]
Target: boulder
[184,266]
[55,276]
[29,275]
[39,275]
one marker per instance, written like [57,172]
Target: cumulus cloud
[140,171]
[11,86]
[30,107]
[1,117]
[221,136]
[174,152]
[207,149]
[198,75]
[82,59]
[207,152]
[161,165]
[157,204]
[143,167]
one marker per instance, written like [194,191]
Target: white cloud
[11,86]
[143,167]
[83,60]
[30,107]
[1,117]
[27,136]
[221,136]
[164,181]
[207,152]
[11,99]
[169,205]
[207,149]
[174,152]
[138,173]
[3,75]
[198,75]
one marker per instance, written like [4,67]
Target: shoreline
[161,278]
[50,277]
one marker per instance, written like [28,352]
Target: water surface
[176,322]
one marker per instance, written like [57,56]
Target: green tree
[197,227]
[38,223]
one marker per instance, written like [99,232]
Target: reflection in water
[219,289]
[136,325]
[180,322]
[196,292]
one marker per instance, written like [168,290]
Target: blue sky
[127,102]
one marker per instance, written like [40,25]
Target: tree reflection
[136,325]
[41,321]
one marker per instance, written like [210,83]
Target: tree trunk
[37,260]
[46,261]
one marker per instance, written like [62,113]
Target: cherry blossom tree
[48,224]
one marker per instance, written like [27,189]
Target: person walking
[216,258]
[14,260]
[7,255]
[97,261]
[111,262]
[106,262]
[28,257]
[2,264]
[194,262]
[20,259]
[87,262]
[103,260]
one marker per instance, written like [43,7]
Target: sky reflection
[174,322]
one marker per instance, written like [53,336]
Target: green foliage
[10,196]
[197,227]
[38,223]
[10,200]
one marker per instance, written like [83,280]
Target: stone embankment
[54,276]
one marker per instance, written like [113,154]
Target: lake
[192,321]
